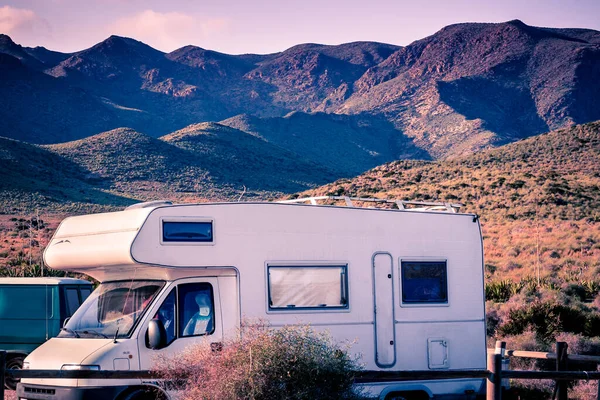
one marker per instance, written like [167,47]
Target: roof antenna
[242,195]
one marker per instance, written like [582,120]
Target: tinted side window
[166,314]
[72,297]
[187,231]
[424,282]
[196,309]
[85,293]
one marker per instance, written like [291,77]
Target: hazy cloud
[21,21]
[167,31]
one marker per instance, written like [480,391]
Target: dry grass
[23,238]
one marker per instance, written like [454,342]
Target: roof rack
[382,203]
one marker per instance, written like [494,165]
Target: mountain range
[121,121]
[467,87]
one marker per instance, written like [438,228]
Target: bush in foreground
[287,363]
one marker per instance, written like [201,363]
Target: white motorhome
[405,285]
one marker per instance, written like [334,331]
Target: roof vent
[148,204]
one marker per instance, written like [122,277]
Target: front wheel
[10,383]
[144,394]
[416,395]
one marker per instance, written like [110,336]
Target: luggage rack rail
[391,204]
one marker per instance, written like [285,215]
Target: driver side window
[187,311]
[166,314]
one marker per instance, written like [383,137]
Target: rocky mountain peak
[5,40]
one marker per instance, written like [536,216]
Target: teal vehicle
[32,310]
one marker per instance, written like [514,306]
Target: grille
[39,390]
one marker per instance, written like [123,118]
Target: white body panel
[248,237]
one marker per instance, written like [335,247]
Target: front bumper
[44,392]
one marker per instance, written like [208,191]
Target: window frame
[163,220]
[345,286]
[423,303]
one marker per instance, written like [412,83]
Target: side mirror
[156,335]
[65,321]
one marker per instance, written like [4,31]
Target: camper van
[402,281]
[32,310]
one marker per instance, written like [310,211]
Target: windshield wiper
[71,331]
[95,333]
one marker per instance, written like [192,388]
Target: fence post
[2,371]
[494,362]
[561,365]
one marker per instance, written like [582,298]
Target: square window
[424,282]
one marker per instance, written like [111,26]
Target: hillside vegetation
[551,176]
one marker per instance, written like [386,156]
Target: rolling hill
[346,145]
[118,167]
[36,178]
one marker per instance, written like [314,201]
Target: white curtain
[306,286]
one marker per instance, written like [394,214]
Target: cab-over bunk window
[187,231]
[307,287]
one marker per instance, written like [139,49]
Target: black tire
[144,394]
[10,383]
[407,396]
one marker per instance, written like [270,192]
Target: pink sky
[266,26]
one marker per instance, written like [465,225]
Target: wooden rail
[547,356]
[561,376]
[494,374]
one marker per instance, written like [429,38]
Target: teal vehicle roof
[43,281]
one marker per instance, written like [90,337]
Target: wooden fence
[494,374]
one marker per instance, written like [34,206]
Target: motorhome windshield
[112,310]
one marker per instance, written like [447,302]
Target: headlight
[25,365]
[78,367]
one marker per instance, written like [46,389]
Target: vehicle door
[383,292]
[190,311]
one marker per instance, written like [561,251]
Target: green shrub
[575,290]
[500,291]
[287,363]
[592,288]
[549,319]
